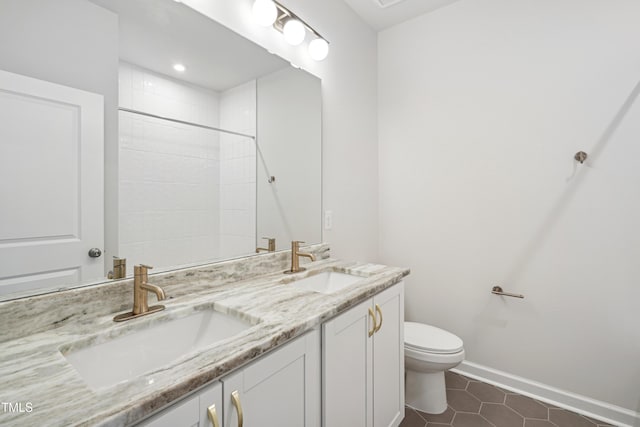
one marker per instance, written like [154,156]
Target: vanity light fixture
[318,49]
[265,12]
[293,32]
[179,68]
[294,29]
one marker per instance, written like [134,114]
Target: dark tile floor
[476,404]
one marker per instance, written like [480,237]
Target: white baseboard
[592,408]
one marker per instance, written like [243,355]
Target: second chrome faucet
[295,258]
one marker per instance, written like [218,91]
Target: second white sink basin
[150,348]
[326,282]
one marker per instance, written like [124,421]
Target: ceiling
[155,34]
[381,14]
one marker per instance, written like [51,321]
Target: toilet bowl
[428,352]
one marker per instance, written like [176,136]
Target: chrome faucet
[295,257]
[141,287]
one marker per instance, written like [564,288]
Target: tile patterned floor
[476,404]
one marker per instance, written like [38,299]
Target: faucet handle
[141,269]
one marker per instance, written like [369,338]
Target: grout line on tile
[490,423]
[419,415]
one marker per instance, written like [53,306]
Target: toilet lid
[421,337]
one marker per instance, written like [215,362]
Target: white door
[388,358]
[347,388]
[51,188]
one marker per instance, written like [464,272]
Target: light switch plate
[328,220]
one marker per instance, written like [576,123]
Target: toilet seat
[421,338]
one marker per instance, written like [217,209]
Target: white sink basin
[326,282]
[129,356]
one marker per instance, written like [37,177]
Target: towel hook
[581,156]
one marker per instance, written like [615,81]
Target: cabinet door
[181,414]
[281,389]
[190,412]
[388,358]
[210,400]
[346,366]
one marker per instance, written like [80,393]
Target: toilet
[428,352]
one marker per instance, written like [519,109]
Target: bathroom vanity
[321,347]
[282,386]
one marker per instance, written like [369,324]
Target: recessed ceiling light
[179,68]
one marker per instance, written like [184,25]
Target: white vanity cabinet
[361,384]
[280,389]
[363,363]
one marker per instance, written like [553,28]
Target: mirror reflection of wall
[289,207]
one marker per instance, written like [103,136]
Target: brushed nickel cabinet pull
[373,317]
[235,397]
[497,290]
[379,311]
[213,416]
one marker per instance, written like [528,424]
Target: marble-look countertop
[36,332]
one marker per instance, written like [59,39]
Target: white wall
[482,106]
[238,171]
[349,96]
[169,172]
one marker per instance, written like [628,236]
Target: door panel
[278,390]
[182,414]
[51,155]
[388,359]
[211,396]
[347,358]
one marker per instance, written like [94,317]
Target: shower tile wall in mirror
[186,157]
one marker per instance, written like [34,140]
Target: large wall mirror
[210,143]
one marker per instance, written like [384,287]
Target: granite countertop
[36,374]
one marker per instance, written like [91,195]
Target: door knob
[95,253]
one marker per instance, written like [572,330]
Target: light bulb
[265,12]
[179,68]
[318,49]
[293,32]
